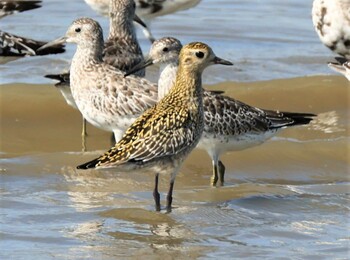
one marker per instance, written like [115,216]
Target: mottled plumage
[147,9]
[16,46]
[163,136]
[12,6]
[331,19]
[122,49]
[103,95]
[13,45]
[229,124]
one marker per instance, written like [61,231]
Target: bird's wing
[157,133]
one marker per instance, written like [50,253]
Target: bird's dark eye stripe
[77,29]
[165,49]
[199,54]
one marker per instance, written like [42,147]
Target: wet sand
[35,118]
[288,196]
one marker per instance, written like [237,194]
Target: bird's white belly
[102,118]
[218,144]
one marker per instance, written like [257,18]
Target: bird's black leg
[214,177]
[156,195]
[169,197]
[221,169]
[113,141]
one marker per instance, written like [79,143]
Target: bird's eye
[200,54]
[77,29]
[165,49]
[134,5]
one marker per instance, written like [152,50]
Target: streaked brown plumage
[163,136]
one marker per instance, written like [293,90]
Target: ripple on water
[282,44]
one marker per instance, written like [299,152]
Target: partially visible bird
[147,9]
[331,19]
[164,135]
[343,66]
[13,45]
[229,125]
[121,49]
[68,97]
[9,7]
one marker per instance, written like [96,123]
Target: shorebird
[104,97]
[229,125]
[343,66]
[147,9]
[17,46]
[331,19]
[12,6]
[121,50]
[164,135]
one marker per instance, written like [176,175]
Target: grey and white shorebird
[12,45]
[331,20]
[229,125]
[102,94]
[164,135]
[147,9]
[17,46]
[121,50]
[10,7]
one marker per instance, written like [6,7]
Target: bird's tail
[284,119]
[63,79]
[89,165]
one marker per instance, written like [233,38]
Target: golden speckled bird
[164,135]
[229,124]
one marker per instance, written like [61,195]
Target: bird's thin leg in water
[221,168]
[214,178]
[83,136]
[169,197]
[113,140]
[156,195]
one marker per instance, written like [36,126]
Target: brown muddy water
[288,198]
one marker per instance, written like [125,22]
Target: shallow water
[265,39]
[288,198]
[285,199]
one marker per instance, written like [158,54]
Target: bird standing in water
[229,125]
[164,135]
